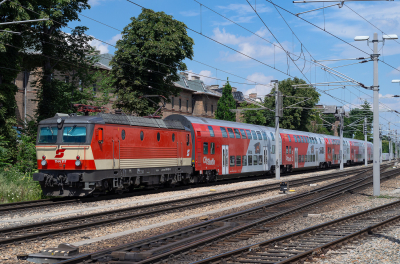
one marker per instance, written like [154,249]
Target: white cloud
[189,13]
[203,76]
[261,90]
[243,13]
[95,2]
[103,47]
[396,72]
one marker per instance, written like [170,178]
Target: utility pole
[341,115]
[376,165]
[278,113]
[390,145]
[365,141]
[380,144]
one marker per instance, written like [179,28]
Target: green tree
[147,60]
[356,120]
[225,104]
[317,124]
[294,118]
[256,117]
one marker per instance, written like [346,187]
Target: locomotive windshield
[74,134]
[48,134]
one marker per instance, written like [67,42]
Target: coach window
[232,161]
[180,104]
[172,102]
[205,148]
[223,131]
[253,134]
[264,136]
[187,139]
[244,160]
[294,137]
[212,148]
[141,135]
[290,149]
[211,131]
[272,136]
[173,137]
[237,133]
[290,140]
[243,134]
[273,149]
[123,134]
[250,160]
[158,136]
[260,160]
[238,160]
[248,134]
[230,131]
[254,159]
[259,135]
[287,150]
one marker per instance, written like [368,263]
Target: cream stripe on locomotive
[67,152]
[141,163]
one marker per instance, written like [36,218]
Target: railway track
[228,229]
[25,233]
[308,243]
[9,208]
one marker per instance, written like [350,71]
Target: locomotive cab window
[74,134]
[48,135]
[205,148]
[211,131]
[243,134]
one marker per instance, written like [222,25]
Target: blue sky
[341,22]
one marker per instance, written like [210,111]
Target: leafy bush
[16,186]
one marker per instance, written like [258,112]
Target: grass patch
[17,187]
[384,197]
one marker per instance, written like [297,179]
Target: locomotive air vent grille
[140,121]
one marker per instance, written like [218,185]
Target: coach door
[265,158]
[225,159]
[296,157]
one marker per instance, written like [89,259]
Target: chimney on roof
[253,95]
[213,87]
[185,75]
[234,89]
[194,77]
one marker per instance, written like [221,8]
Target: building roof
[195,85]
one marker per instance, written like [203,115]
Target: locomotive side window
[205,148]
[253,133]
[232,161]
[248,134]
[243,133]
[244,160]
[223,131]
[250,160]
[264,136]
[230,131]
[259,135]
[255,160]
[74,134]
[187,139]
[141,135]
[237,133]
[238,160]
[48,135]
[211,131]
[158,136]
[212,148]
[123,134]
[173,137]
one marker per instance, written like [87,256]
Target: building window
[66,79]
[212,148]
[205,148]
[94,87]
[187,105]
[238,160]
[212,109]
[205,108]
[180,104]
[211,131]
[244,160]
[172,102]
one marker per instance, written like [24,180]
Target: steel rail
[213,237]
[65,225]
[26,205]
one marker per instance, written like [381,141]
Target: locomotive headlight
[59,120]
[44,162]
[78,163]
